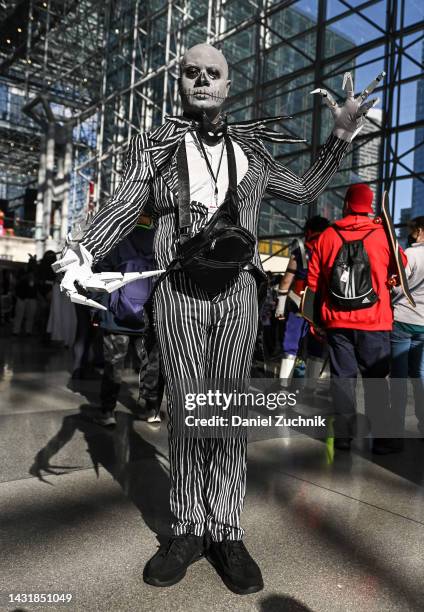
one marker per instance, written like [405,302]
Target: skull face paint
[204,81]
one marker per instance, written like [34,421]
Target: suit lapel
[250,179]
[172,178]
[163,146]
[164,142]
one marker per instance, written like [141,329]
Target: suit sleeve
[119,215]
[283,183]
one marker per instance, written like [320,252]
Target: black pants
[84,339]
[369,353]
[115,349]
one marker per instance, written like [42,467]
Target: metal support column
[102,112]
[318,82]
[167,57]
[58,195]
[133,64]
[209,32]
[48,194]
[388,97]
[259,54]
[67,167]
[39,244]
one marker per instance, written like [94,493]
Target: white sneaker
[149,412]
[286,369]
[154,417]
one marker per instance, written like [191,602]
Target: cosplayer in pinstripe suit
[202,335]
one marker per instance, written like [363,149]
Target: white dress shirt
[202,185]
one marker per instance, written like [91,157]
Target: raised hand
[349,119]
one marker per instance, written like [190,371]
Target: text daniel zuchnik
[273,420]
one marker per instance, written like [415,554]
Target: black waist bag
[214,256]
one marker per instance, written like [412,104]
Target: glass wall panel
[278,52]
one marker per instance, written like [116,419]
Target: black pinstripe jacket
[150,176]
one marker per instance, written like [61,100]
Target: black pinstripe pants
[206,337]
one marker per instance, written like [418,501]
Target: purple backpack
[127,303]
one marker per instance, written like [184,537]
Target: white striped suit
[211,338]
[200,336]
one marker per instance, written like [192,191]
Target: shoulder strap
[301,246]
[368,233]
[184,221]
[336,229]
[232,169]
[232,178]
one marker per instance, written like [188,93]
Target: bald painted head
[203,81]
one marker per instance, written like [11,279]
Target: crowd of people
[102,343]
[365,323]
[381,339]
[26,295]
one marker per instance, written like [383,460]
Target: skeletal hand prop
[76,266]
[106,282]
[349,119]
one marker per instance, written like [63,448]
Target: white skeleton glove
[75,264]
[281,305]
[349,119]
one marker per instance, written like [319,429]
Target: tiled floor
[80,507]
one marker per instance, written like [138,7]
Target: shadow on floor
[136,465]
[89,388]
[335,537]
[408,464]
[282,603]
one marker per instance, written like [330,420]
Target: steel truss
[109,68]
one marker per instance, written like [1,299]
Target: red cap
[358,198]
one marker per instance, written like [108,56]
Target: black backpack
[350,283]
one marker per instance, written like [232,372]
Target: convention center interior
[212,305]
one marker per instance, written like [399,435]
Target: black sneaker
[239,572]
[169,565]
[387,446]
[105,418]
[342,443]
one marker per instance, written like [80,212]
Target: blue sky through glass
[365,28]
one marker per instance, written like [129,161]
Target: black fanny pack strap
[214,256]
[232,177]
[184,220]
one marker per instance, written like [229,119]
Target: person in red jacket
[358,339]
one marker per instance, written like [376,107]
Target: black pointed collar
[251,132]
